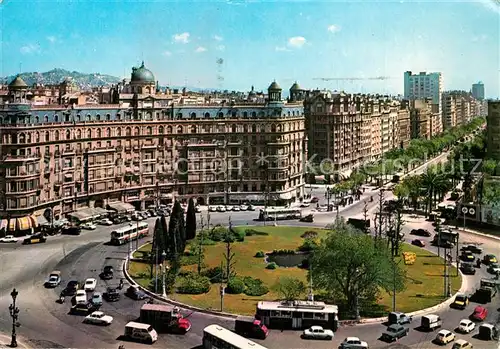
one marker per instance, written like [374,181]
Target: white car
[466,326]
[243,207]
[445,336]
[236,208]
[353,343]
[81,297]
[106,222]
[197,209]
[212,209]
[9,239]
[90,285]
[89,226]
[98,318]
[221,209]
[317,332]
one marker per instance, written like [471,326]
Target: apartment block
[478,91]
[493,130]
[421,118]
[404,124]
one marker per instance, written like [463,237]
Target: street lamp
[328,196]
[164,257]
[14,313]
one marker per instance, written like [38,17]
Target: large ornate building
[146,148]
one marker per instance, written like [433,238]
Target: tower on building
[274,92]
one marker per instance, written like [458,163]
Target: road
[46,323]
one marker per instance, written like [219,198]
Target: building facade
[404,124]
[421,118]
[423,85]
[493,130]
[459,107]
[146,148]
[478,91]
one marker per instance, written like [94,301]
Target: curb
[5,342]
[484,235]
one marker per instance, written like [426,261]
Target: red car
[479,313]
[418,243]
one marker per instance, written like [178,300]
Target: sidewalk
[5,342]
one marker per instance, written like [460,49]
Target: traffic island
[257,273]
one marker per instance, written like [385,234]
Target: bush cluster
[235,286]
[260,254]
[271,266]
[281,252]
[251,232]
[308,245]
[217,234]
[213,274]
[310,234]
[193,283]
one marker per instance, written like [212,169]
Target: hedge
[193,284]
[235,286]
[254,287]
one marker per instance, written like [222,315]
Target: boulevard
[45,323]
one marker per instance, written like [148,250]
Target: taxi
[34,239]
[460,302]
[490,259]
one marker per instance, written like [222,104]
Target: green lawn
[424,286]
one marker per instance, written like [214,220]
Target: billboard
[490,215]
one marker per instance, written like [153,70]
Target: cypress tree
[165,241]
[191,221]
[156,237]
[177,230]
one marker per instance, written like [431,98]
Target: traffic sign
[464,210]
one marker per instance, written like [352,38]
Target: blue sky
[259,41]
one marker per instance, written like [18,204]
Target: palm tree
[433,182]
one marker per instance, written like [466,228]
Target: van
[430,322]
[141,332]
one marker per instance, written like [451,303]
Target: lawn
[424,286]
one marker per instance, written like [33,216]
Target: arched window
[78,117]
[79,134]
[108,132]
[149,131]
[119,132]
[193,129]
[207,115]
[128,132]
[37,120]
[273,128]
[233,128]
[279,128]
[179,115]
[37,137]
[262,128]
[220,115]
[118,116]
[89,117]
[245,128]
[254,114]
[169,129]
[137,132]
[47,137]
[179,129]
[245,114]
[56,118]
[193,115]
[22,138]
[98,133]
[46,118]
[29,138]
[68,134]
[108,117]
[98,117]
[57,135]
[161,130]
[89,133]
[254,128]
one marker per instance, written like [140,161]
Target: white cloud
[493,5]
[52,39]
[167,53]
[281,48]
[30,48]
[479,38]
[221,48]
[296,41]
[218,38]
[333,28]
[181,38]
[200,49]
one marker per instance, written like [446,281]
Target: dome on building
[142,74]
[274,86]
[18,83]
[295,87]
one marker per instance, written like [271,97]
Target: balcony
[149,146]
[21,158]
[95,150]
[69,151]
[21,174]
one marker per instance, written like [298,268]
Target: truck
[250,327]
[164,318]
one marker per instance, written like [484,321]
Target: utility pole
[310,296]
[221,287]
[380,212]
[200,245]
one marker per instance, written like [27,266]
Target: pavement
[5,341]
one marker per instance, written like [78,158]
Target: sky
[236,44]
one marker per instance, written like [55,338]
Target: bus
[270,214]
[297,315]
[217,337]
[128,233]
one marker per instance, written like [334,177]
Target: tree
[191,221]
[289,288]
[177,236]
[229,255]
[352,265]
[157,242]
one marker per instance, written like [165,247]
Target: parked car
[236,208]
[466,326]
[489,258]
[472,248]
[88,226]
[468,269]
[493,268]
[353,343]
[445,337]
[135,293]
[418,242]
[221,208]
[98,318]
[212,209]
[105,221]
[243,208]
[90,285]
[107,273]
[96,299]
[480,313]
[112,295]
[71,288]
[461,301]
[420,232]
[81,309]
[461,344]
[9,239]
[250,208]
[35,239]
[317,332]
[394,332]
[314,200]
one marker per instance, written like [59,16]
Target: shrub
[235,286]
[189,259]
[308,245]
[250,232]
[271,266]
[260,254]
[304,264]
[282,252]
[217,233]
[254,287]
[193,284]
[214,274]
[311,234]
[240,235]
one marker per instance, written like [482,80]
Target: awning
[86,213]
[121,206]
[3,224]
[19,223]
[12,225]
[286,196]
[24,223]
[42,220]
[100,211]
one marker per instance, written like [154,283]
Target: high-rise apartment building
[423,85]
[493,130]
[421,118]
[148,147]
[478,91]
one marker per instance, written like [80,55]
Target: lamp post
[164,257]
[328,196]
[14,313]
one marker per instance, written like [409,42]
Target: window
[179,115]
[254,128]
[137,132]
[118,116]
[78,134]
[78,117]
[149,131]
[193,129]
[245,114]
[233,128]
[193,115]
[179,129]
[169,129]
[128,132]
[207,115]
[119,132]
[57,135]
[89,133]
[108,132]
[56,118]
[98,117]
[68,134]
[37,119]
[46,118]
[89,117]
[47,137]
[220,115]
[254,114]
[161,130]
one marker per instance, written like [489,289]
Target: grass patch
[424,286]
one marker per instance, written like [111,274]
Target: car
[112,295]
[135,293]
[466,326]
[467,256]
[98,318]
[243,207]
[229,208]
[307,219]
[54,279]
[445,337]
[72,230]
[493,268]
[81,297]
[472,248]
[96,299]
[480,313]
[9,239]
[90,285]
[212,209]
[107,273]
[420,232]
[71,288]
[489,258]
[317,332]
[88,226]
[305,204]
[460,302]
[236,208]
[314,200]
[418,242]
[468,269]
[105,221]
[461,344]
[394,332]
[197,209]
[221,209]
[353,343]
[398,318]
[250,208]
[35,239]
[81,309]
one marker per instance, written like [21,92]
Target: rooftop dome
[17,83]
[274,86]
[295,87]
[142,75]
